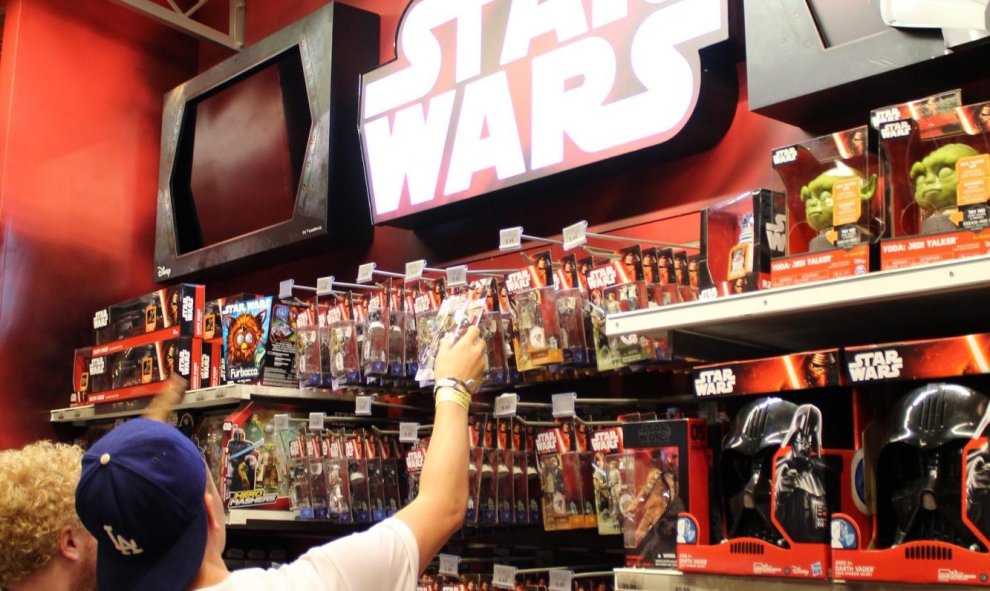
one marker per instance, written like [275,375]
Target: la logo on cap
[122,544]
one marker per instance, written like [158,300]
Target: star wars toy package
[559,466]
[607,479]
[374,354]
[476,466]
[376,474]
[313,346]
[776,487]
[662,472]
[504,483]
[345,362]
[256,458]
[582,441]
[246,326]
[400,319]
[534,295]
[797,371]
[834,208]
[458,312]
[522,471]
[130,368]
[415,456]
[738,243]
[389,454]
[572,312]
[279,367]
[426,305]
[174,306]
[487,489]
[337,476]
[614,288]
[917,360]
[925,482]
[936,159]
[357,467]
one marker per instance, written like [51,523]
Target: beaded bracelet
[449,394]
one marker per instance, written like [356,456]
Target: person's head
[146,495]
[41,532]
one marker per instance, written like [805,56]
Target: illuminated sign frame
[490,94]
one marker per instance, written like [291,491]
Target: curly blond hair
[37,499]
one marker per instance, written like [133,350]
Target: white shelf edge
[876,287]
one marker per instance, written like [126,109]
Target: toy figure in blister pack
[338,484]
[357,468]
[746,465]
[414,466]
[821,197]
[800,504]
[649,500]
[376,476]
[376,334]
[457,314]
[935,179]
[397,330]
[606,479]
[242,461]
[504,468]
[308,359]
[919,469]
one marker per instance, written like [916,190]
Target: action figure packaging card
[504,479]
[345,362]
[777,488]
[925,477]
[476,463]
[399,320]
[496,363]
[415,456]
[458,312]
[359,301]
[374,355]
[426,304]
[607,479]
[834,208]
[663,472]
[521,473]
[376,474]
[315,468]
[559,466]
[614,289]
[737,256]
[582,442]
[534,296]
[389,454]
[121,370]
[337,475]
[410,342]
[357,468]
[174,306]
[256,458]
[280,359]
[313,346]
[246,326]
[487,490]
[936,160]
[571,311]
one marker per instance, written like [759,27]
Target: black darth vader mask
[746,466]
[919,469]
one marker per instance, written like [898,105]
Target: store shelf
[201,398]
[936,300]
[641,579]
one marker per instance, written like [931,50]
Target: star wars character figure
[801,507]
[935,182]
[819,203]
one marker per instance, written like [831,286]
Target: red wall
[80,114]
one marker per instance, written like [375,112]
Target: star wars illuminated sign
[487,94]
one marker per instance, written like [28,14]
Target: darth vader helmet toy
[746,466]
[919,468]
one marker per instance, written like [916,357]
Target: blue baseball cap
[141,496]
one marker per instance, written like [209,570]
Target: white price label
[448,564]
[362,406]
[563,405]
[409,433]
[317,420]
[324,285]
[414,270]
[560,579]
[285,289]
[281,422]
[575,235]
[457,276]
[510,238]
[365,272]
[505,405]
[504,577]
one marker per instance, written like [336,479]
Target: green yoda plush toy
[935,181]
[819,203]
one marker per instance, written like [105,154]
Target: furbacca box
[739,236]
[917,360]
[834,212]
[133,368]
[776,487]
[925,465]
[935,153]
[246,325]
[176,306]
[798,371]
[663,472]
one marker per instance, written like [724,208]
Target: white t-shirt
[384,557]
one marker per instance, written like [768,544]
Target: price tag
[281,422]
[365,272]
[504,577]
[409,433]
[575,235]
[316,421]
[505,405]
[362,406]
[414,270]
[563,405]
[560,579]
[457,276]
[448,564]
[510,238]
[285,289]
[324,285]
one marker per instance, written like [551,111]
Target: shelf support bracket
[174,17]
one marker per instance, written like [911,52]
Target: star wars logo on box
[876,365]
[714,381]
[798,371]
[921,359]
[423,133]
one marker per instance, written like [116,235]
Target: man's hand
[162,404]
